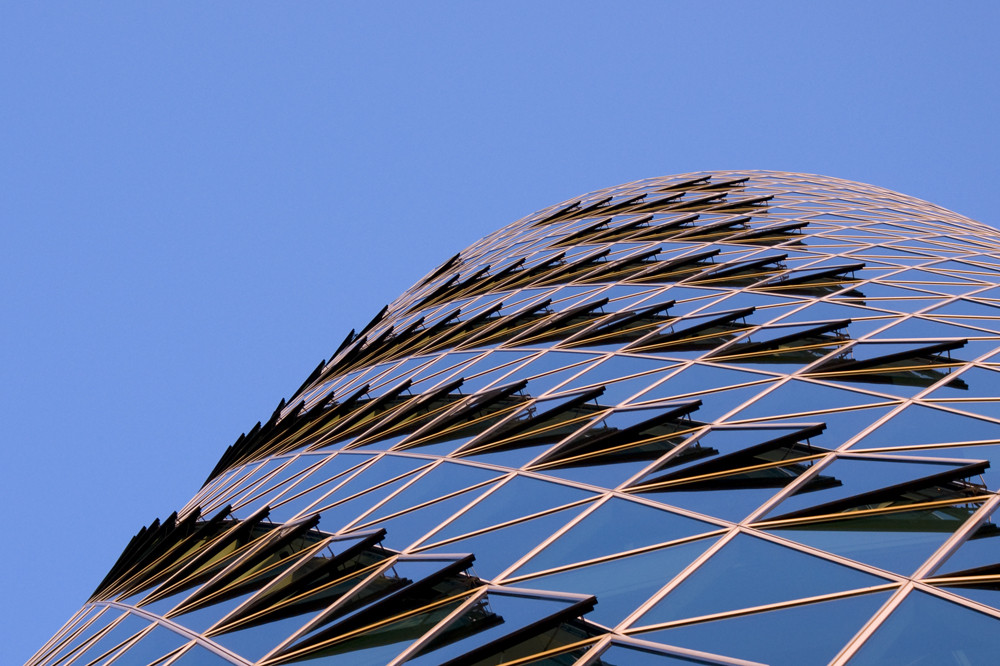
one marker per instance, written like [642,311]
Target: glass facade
[713,418]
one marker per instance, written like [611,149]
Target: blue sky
[199,200]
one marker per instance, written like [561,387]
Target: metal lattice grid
[720,418]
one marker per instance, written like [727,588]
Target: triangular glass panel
[284,479]
[603,475]
[637,656]
[496,617]
[446,365]
[446,478]
[918,327]
[377,644]
[733,504]
[966,308]
[978,555]
[749,572]
[700,378]
[254,642]
[926,629]
[554,382]
[152,646]
[616,526]
[519,497]
[402,530]
[804,396]
[549,362]
[614,368]
[716,404]
[73,640]
[984,594]
[337,516]
[870,483]
[619,391]
[512,458]
[625,435]
[918,424]
[898,541]
[730,448]
[385,468]
[199,656]
[622,585]
[840,426]
[972,326]
[988,452]
[497,549]
[783,637]
[827,310]
[108,642]
[973,381]
[545,421]
[204,617]
[318,483]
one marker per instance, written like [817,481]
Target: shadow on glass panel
[781,637]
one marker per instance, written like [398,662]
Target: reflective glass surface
[739,409]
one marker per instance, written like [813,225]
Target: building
[714,418]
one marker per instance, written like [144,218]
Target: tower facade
[712,418]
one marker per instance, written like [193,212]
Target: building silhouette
[713,418]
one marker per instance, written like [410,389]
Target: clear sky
[199,200]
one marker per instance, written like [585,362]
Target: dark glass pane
[927,630]
[494,616]
[700,378]
[750,572]
[379,643]
[122,631]
[152,647]
[284,480]
[498,548]
[925,425]
[75,640]
[898,541]
[988,452]
[406,528]
[385,468]
[726,504]
[335,517]
[315,486]
[620,655]
[616,526]
[804,396]
[840,426]
[861,477]
[255,642]
[514,458]
[786,637]
[444,479]
[519,497]
[202,618]
[622,585]
[990,597]
[199,656]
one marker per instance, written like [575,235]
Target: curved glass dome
[712,418]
